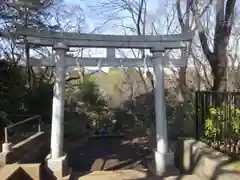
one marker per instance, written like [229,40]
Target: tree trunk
[185,27]
[219,68]
[218,58]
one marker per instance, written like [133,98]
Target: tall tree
[19,14]
[184,21]
[217,54]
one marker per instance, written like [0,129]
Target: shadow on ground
[108,154]
[137,174]
[119,153]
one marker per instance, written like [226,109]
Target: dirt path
[108,153]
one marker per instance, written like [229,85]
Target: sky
[92,22]
[92,19]
[155,8]
[158,12]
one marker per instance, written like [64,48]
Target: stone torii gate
[56,161]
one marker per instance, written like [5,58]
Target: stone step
[15,171]
[170,170]
[47,175]
[116,175]
[130,175]
[182,177]
[7,170]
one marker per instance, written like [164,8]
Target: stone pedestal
[58,167]
[6,147]
[163,165]
[162,161]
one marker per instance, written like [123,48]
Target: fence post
[196,116]
[39,124]
[6,147]
[6,135]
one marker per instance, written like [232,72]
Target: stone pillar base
[6,147]
[163,164]
[58,168]
[164,159]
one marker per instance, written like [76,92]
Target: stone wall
[196,157]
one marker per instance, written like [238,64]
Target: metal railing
[218,119]
[34,118]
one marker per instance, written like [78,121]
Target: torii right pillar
[164,158]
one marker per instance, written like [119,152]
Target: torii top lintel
[49,38]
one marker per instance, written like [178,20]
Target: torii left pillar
[57,161]
[163,156]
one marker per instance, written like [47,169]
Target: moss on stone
[186,160]
[236,165]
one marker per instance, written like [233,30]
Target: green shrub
[227,118]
